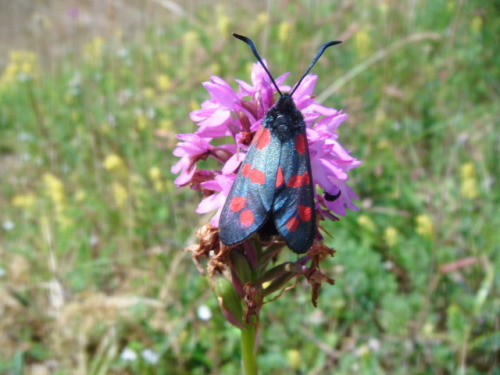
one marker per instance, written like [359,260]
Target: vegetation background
[93,279]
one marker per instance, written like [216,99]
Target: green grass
[91,241]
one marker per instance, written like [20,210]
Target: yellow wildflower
[148,93]
[467,170]
[425,226]
[46,22]
[159,186]
[9,75]
[468,183]
[164,59]
[476,24]
[380,117]
[222,21]
[363,41]
[64,221]
[27,68]
[367,223]
[166,124]
[363,350]
[384,144]
[183,336]
[120,194]
[142,121]
[154,173]
[55,189]
[92,50]
[391,236]
[163,82]
[80,195]
[24,200]
[468,188]
[22,56]
[113,162]
[294,359]
[191,42]
[383,7]
[155,176]
[105,128]
[22,65]
[261,20]
[428,329]
[215,68]
[284,32]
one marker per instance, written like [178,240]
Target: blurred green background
[93,279]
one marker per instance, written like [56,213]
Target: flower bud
[241,266]
[280,270]
[229,302]
[279,283]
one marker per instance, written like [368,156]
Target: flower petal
[216,125]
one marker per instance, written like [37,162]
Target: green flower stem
[248,354]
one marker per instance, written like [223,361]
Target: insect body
[273,191]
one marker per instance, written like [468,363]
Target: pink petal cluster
[234,116]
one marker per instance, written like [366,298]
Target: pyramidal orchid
[247,274]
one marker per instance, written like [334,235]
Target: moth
[273,192]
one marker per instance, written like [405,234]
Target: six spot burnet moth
[273,192]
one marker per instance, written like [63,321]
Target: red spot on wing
[237,203]
[292,224]
[279,177]
[247,218]
[257,135]
[305,213]
[257,176]
[300,143]
[246,170]
[295,181]
[264,139]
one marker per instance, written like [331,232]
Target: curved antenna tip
[318,55]
[332,43]
[251,44]
[241,37]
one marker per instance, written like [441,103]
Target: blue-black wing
[250,200]
[294,211]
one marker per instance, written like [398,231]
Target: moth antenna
[318,55]
[256,54]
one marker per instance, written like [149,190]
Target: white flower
[128,355]
[93,240]
[204,312]
[374,344]
[8,225]
[150,356]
